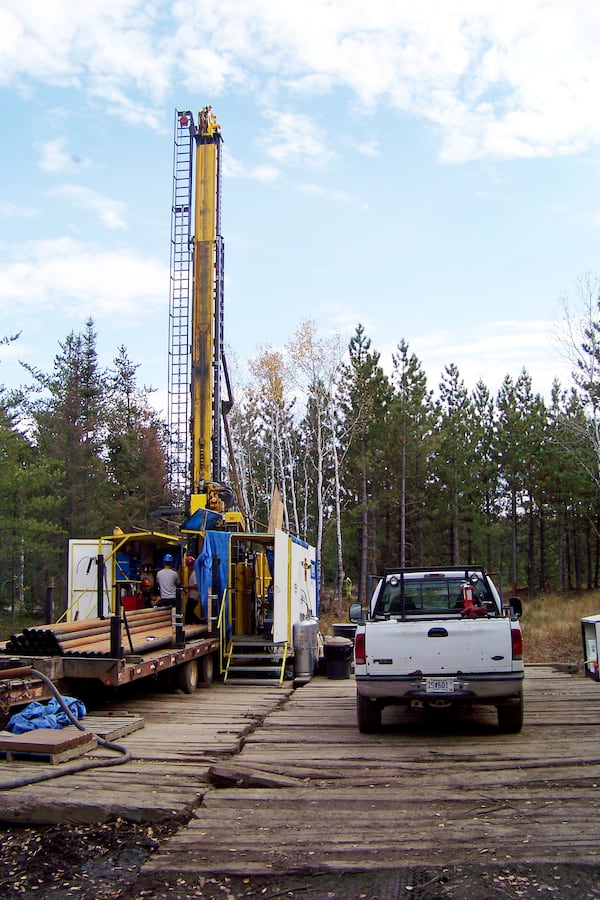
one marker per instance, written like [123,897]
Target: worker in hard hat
[193,598]
[167,582]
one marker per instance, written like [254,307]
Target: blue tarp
[216,545]
[201,520]
[49,715]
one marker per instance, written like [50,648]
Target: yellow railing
[225,647]
[283,662]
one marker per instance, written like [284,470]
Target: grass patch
[551,626]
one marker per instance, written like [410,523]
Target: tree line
[374,467]
[81,452]
[380,470]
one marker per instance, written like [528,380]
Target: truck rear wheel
[368,714]
[187,676]
[510,717]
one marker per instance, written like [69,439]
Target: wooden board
[46,745]
[111,728]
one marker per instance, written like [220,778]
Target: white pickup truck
[438,638]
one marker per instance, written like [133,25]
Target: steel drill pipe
[160,638]
[64,639]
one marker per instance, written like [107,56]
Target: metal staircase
[255,660]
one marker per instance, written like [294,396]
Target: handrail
[222,635]
[283,662]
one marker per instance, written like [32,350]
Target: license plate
[439,685]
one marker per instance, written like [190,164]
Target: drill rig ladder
[180,309]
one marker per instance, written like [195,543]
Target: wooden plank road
[423,792]
[168,774]
[274,780]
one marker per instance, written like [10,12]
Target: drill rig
[199,387]
[257,591]
[265,583]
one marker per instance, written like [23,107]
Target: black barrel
[338,653]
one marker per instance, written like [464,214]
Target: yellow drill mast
[206,315]
[203,445]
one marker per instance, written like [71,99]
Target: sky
[426,168]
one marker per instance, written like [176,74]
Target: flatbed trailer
[190,665]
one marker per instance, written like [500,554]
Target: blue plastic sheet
[216,544]
[45,715]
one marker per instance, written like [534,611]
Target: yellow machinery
[257,591]
[252,590]
[197,406]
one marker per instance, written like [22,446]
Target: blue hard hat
[167,558]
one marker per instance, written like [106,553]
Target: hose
[72,768]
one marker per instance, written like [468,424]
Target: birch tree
[275,406]
[582,344]
[316,364]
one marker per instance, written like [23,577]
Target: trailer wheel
[187,676]
[368,714]
[510,717]
[206,666]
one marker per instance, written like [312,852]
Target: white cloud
[10,210]
[235,168]
[369,148]
[109,50]
[110,212]
[500,79]
[338,196]
[486,352]
[55,158]
[505,78]
[490,351]
[294,138]
[76,279]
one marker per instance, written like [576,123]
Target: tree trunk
[364,537]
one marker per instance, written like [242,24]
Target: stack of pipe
[148,629]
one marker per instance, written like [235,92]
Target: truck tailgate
[439,646]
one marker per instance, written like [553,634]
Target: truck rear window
[429,596]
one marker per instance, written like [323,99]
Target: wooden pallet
[46,745]
[110,728]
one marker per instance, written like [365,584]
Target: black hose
[73,768]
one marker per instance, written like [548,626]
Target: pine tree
[134,450]
[365,400]
[454,463]
[70,428]
[411,424]
[29,508]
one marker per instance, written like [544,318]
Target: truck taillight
[517,643]
[360,654]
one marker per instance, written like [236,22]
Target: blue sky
[428,170]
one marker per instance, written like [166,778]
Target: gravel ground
[104,861]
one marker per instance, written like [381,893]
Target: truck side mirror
[356,613]
[516,607]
